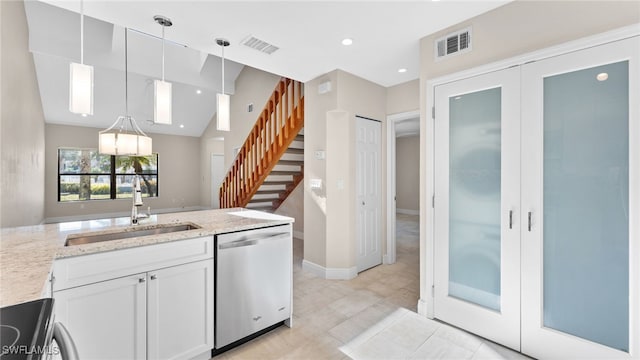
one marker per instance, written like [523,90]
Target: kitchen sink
[130,232]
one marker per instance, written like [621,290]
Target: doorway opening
[403,179]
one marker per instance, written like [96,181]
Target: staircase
[270,163]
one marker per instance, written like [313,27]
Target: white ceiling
[386,38]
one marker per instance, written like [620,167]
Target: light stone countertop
[27,253]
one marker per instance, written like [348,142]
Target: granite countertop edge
[27,253]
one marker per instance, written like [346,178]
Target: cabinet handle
[529,226]
[510,219]
[153,277]
[141,280]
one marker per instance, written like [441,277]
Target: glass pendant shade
[124,137]
[162,102]
[81,89]
[224,121]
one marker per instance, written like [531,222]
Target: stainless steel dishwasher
[253,281]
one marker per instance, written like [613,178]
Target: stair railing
[276,127]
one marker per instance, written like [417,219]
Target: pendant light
[124,137]
[81,79]
[223,100]
[161,88]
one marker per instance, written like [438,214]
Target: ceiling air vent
[260,45]
[452,44]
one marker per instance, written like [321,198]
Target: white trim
[390,256]
[60,219]
[422,307]
[330,273]
[427,258]
[298,234]
[407,211]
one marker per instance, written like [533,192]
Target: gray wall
[408,174]
[330,126]
[22,125]
[178,174]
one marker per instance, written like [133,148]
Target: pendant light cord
[223,68]
[163,53]
[126,73]
[81,32]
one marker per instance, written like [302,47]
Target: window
[84,174]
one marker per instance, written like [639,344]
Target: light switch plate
[320,154]
[316,183]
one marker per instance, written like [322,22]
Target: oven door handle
[65,342]
[250,241]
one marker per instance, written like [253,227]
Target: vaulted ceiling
[308,34]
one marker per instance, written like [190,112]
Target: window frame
[113,175]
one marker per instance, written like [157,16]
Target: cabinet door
[477,199]
[180,313]
[107,320]
[581,204]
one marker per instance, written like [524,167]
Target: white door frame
[427,237]
[392,120]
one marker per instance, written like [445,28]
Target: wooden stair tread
[268,192]
[294,151]
[284,172]
[273,182]
[291,162]
[268,200]
[299,137]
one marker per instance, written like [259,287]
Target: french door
[537,205]
[581,207]
[477,267]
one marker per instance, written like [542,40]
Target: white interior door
[217,176]
[477,199]
[581,204]
[368,194]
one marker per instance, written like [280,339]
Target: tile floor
[328,314]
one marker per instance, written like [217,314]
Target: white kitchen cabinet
[107,319]
[165,312]
[180,311]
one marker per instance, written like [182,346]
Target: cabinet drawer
[87,269]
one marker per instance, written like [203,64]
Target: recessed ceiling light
[198,91]
[402,70]
[181,126]
[84,115]
[602,76]
[347,41]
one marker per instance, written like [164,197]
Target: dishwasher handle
[249,241]
[65,343]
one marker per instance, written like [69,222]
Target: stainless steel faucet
[137,199]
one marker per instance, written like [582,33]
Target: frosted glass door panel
[586,204]
[474,195]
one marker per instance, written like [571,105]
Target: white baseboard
[330,273]
[60,219]
[298,234]
[422,308]
[408,211]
